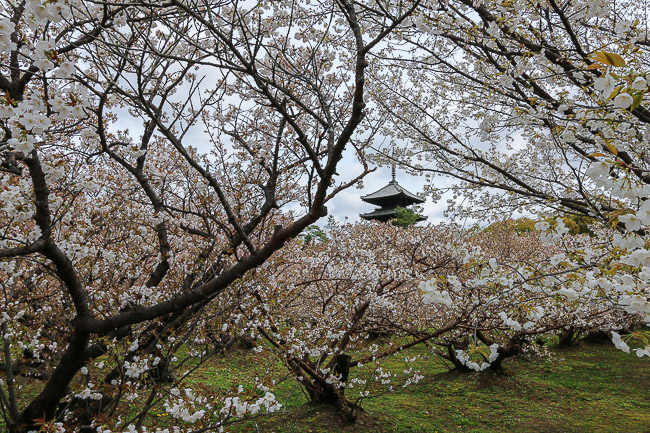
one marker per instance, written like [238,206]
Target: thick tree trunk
[568,336]
[44,406]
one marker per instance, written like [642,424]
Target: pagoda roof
[384,215]
[392,191]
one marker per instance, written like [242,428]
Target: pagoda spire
[393,174]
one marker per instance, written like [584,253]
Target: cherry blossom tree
[156,158]
[475,299]
[530,115]
[148,152]
[543,111]
[318,306]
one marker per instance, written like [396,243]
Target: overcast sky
[348,204]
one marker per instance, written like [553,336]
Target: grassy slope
[590,388]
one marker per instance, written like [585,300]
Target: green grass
[589,388]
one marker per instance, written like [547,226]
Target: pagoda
[388,199]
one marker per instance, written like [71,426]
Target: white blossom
[623,100]
[639,83]
[605,85]
[619,343]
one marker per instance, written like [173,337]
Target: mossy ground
[586,388]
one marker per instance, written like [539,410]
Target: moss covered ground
[587,388]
